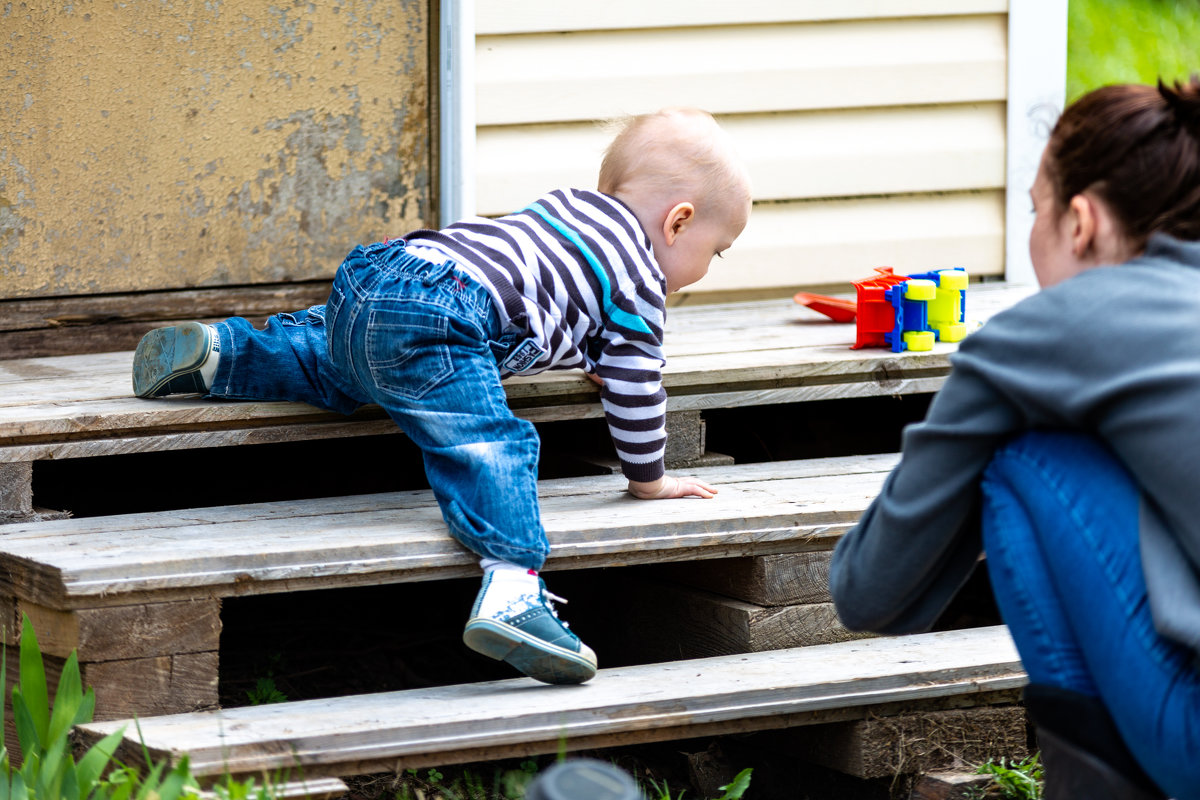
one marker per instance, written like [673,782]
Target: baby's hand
[666,487]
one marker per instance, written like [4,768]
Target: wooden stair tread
[717,356]
[763,508]
[454,724]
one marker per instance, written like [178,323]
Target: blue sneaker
[169,360]
[523,630]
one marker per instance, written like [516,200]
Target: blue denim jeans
[423,341]
[1060,528]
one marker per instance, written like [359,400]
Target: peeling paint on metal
[164,145]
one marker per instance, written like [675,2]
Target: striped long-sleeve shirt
[575,271]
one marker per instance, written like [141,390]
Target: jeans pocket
[407,353]
[313,315]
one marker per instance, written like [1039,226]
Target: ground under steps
[518,717]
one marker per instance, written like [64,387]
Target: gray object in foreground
[583,779]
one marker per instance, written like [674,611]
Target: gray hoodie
[1115,352]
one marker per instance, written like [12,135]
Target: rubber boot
[1082,751]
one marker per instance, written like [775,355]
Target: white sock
[509,586]
[491,565]
[209,369]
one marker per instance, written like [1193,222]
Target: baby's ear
[677,221]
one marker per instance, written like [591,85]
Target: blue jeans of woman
[1060,528]
[423,341]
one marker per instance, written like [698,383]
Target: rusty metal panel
[151,144]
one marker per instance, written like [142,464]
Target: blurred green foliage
[1131,41]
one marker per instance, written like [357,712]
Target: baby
[429,325]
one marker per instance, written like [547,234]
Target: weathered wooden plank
[16,490]
[173,684]
[456,723]
[151,441]
[950,786]
[677,622]
[774,580]
[521,16]
[104,323]
[723,356]
[309,544]
[852,64]
[910,743]
[127,632]
[685,438]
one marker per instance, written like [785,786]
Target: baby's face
[687,259]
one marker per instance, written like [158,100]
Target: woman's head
[1122,163]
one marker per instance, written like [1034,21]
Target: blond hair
[680,151]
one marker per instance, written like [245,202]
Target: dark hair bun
[1183,99]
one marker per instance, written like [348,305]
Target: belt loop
[436,272]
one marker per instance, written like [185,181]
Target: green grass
[1130,41]
[1018,780]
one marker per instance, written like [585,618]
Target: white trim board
[1037,87]
[456,106]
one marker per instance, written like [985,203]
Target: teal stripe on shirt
[616,314]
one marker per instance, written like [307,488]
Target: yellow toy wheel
[955,279]
[951,332]
[920,289]
[918,341]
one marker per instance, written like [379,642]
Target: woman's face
[1050,240]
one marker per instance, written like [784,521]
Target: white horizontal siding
[874,130]
[807,243]
[790,155]
[530,16]
[743,69]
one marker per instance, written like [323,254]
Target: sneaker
[169,360]
[525,632]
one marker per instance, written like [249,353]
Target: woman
[1066,444]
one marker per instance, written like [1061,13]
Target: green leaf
[87,706]
[119,786]
[177,780]
[151,782]
[68,698]
[738,786]
[33,680]
[19,792]
[49,776]
[97,758]
[69,787]
[26,728]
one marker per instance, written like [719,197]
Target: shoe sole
[530,656]
[167,353]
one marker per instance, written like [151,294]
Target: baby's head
[678,172]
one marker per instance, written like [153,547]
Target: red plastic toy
[900,312]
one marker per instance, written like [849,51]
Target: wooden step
[774,507]
[653,702]
[718,356]
[139,596]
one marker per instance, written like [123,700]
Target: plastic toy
[901,312]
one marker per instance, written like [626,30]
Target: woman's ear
[677,220]
[1082,218]
[1096,235]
